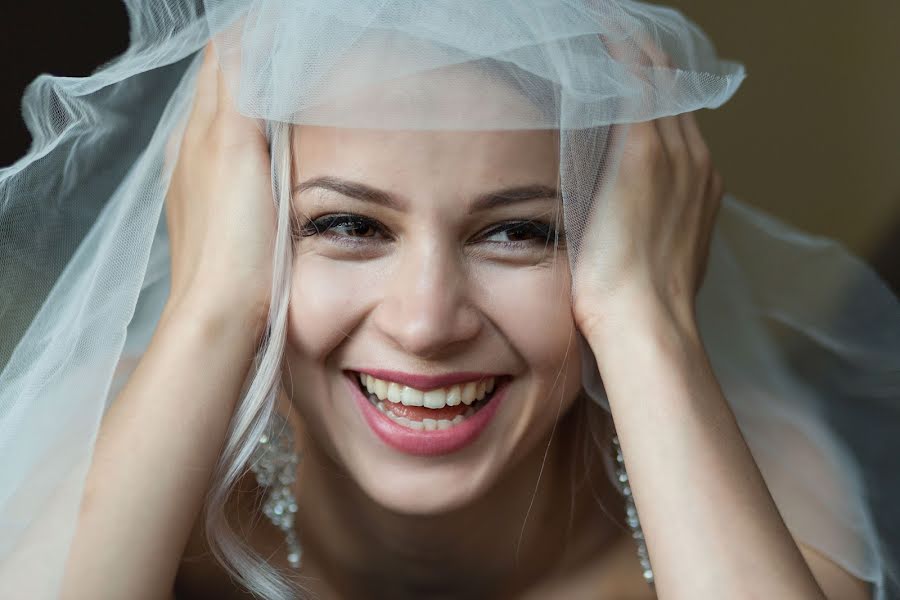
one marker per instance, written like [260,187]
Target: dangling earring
[274,463]
[634,523]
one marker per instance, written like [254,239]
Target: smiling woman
[427,273]
[448,303]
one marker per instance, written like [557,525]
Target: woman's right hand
[160,440]
[219,208]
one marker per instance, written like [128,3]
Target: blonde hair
[256,406]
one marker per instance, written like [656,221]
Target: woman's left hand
[635,281]
[650,229]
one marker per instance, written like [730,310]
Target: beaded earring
[631,515]
[275,464]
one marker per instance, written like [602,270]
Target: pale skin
[637,314]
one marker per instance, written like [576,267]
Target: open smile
[439,408]
[427,419]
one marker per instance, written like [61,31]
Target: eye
[519,233]
[345,225]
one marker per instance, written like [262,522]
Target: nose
[426,309]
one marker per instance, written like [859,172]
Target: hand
[648,238]
[219,207]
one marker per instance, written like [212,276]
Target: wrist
[215,319]
[635,320]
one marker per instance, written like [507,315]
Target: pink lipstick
[408,435]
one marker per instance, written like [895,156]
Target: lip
[426,443]
[425,383]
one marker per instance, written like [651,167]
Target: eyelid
[311,225]
[543,232]
[541,228]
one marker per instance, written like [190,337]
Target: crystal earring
[634,523]
[274,463]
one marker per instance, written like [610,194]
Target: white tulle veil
[797,329]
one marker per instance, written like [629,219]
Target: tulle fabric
[797,329]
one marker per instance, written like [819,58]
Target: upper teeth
[467,393]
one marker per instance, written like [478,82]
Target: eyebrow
[366,193]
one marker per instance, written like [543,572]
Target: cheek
[328,299]
[532,307]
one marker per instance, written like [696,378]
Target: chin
[426,490]
[385,430]
[410,468]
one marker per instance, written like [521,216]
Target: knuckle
[678,150]
[663,58]
[703,158]
[648,145]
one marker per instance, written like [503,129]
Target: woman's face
[426,276]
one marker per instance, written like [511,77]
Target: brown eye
[522,232]
[343,225]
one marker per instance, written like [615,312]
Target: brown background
[813,135]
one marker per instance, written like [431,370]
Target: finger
[673,140]
[653,55]
[619,50]
[616,46]
[716,189]
[230,63]
[643,144]
[638,56]
[715,192]
[697,146]
[232,124]
[614,137]
[224,106]
[205,97]
[669,128]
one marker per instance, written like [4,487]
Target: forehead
[457,126]
[389,81]
[435,158]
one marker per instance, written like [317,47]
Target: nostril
[430,335]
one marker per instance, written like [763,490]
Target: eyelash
[326,225]
[541,232]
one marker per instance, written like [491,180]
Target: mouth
[436,409]
[430,421]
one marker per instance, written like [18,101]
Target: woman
[463,241]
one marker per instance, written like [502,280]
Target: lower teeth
[428,424]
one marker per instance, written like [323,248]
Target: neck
[542,516]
